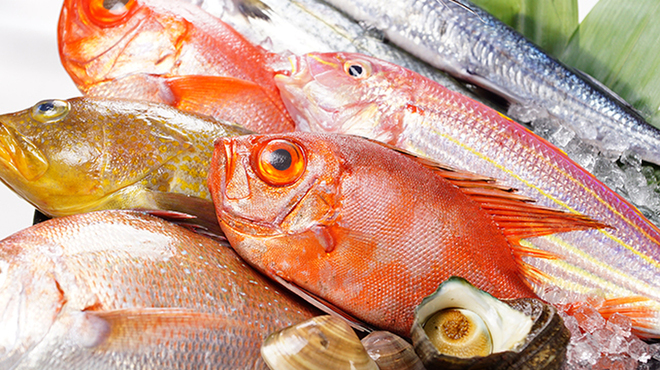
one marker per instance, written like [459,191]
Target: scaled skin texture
[121,289]
[363,227]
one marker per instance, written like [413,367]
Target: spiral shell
[322,342]
[476,330]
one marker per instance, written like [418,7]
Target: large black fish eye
[357,69]
[47,111]
[280,159]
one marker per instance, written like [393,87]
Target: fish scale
[620,261]
[113,154]
[136,291]
[368,229]
[467,42]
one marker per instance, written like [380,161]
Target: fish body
[145,49]
[84,154]
[303,26]
[354,94]
[458,37]
[355,223]
[124,290]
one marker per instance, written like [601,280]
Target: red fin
[232,99]
[515,214]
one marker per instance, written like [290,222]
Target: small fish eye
[280,162]
[359,70]
[47,111]
[109,12]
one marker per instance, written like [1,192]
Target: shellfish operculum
[460,326]
[471,322]
[322,342]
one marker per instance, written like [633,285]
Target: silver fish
[458,37]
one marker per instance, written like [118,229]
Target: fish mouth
[20,155]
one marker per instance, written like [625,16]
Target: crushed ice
[613,164]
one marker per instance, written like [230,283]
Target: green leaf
[548,23]
[618,43]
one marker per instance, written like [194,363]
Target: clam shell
[322,342]
[391,352]
[542,347]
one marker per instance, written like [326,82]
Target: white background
[30,71]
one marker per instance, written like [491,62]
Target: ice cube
[589,319]
[620,324]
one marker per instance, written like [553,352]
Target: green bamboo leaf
[548,23]
[618,43]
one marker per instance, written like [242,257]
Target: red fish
[170,52]
[355,94]
[369,229]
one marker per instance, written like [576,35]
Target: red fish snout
[234,180]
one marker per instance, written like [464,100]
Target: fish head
[30,295]
[73,156]
[342,93]
[269,189]
[102,40]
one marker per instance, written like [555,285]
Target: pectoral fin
[199,211]
[324,305]
[134,330]
[243,102]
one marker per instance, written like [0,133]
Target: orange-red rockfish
[121,289]
[356,94]
[369,229]
[170,52]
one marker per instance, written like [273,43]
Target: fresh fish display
[84,154]
[460,38]
[369,229]
[303,26]
[170,52]
[124,290]
[355,94]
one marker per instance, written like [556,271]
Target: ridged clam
[391,352]
[322,342]
[508,334]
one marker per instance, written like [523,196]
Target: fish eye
[47,111]
[357,69]
[109,12]
[280,162]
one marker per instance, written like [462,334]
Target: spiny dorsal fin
[515,214]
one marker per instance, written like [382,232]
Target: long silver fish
[458,37]
[124,290]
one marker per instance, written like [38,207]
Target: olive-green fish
[125,290]
[79,155]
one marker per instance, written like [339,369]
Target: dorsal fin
[515,214]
